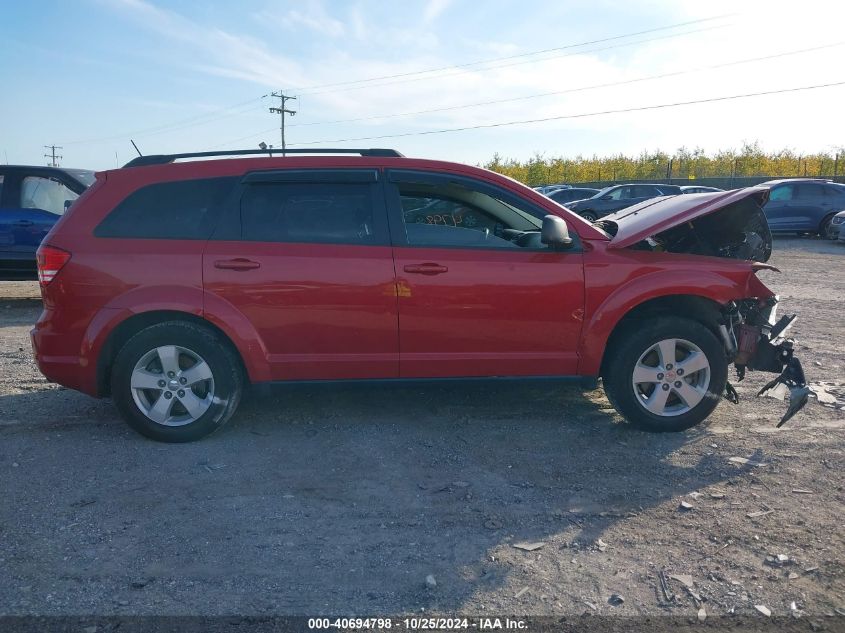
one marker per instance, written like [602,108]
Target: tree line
[684,163]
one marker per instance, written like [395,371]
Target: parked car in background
[699,189]
[547,189]
[803,205]
[32,199]
[172,285]
[565,196]
[837,226]
[616,197]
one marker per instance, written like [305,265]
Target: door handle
[426,269]
[236,264]
[24,223]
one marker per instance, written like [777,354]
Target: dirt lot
[343,500]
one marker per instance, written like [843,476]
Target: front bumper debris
[756,342]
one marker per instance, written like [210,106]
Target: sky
[196,75]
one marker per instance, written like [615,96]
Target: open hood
[726,224]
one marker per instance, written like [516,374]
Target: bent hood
[656,215]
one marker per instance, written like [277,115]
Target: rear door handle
[426,269]
[236,264]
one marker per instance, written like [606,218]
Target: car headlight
[839,219]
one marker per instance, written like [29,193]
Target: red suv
[172,283]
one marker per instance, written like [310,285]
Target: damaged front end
[755,340]
[728,225]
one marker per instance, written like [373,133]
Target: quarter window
[185,209]
[46,194]
[337,213]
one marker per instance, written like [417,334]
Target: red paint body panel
[317,311]
[321,311]
[617,281]
[494,312]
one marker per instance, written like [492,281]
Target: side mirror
[555,232]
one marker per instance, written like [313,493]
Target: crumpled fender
[662,283]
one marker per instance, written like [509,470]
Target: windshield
[601,192]
[84,176]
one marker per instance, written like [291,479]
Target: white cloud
[433,10]
[313,17]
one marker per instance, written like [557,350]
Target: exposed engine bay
[736,231]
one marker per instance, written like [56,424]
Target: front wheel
[176,382]
[666,375]
[826,229]
[589,216]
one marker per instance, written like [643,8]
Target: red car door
[304,255]
[479,294]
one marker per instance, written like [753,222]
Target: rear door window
[807,191]
[312,212]
[180,210]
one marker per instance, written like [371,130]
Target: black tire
[225,369]
[635,341]
[825,230]
[589,215]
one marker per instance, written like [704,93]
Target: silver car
[837,227]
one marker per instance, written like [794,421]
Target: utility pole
[54,159]
[282,111]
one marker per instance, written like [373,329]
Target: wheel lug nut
[181,393]
[665,386]
[168,395]
[183,380]
[660,376]
[170,374]
[162,384]
[678,384]
[669,366]
[680,372]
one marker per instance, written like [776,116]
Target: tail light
[50,261]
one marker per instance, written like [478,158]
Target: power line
[578,116]
[208,117]
[202,118]
[54,159]
[460,71]
[545,94]
[509,57]
[571,90]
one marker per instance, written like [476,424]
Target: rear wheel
[667,375]
[176,382]
[589,216]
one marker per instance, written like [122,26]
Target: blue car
[32,199]
[803,205]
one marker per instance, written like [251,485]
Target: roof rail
[162,159]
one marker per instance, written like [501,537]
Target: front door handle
[24,223]
[426,269]
[236,264]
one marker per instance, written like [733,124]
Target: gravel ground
[344,500]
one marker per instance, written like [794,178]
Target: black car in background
[32,199]
[803,205]
[565,196]
[618,197]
